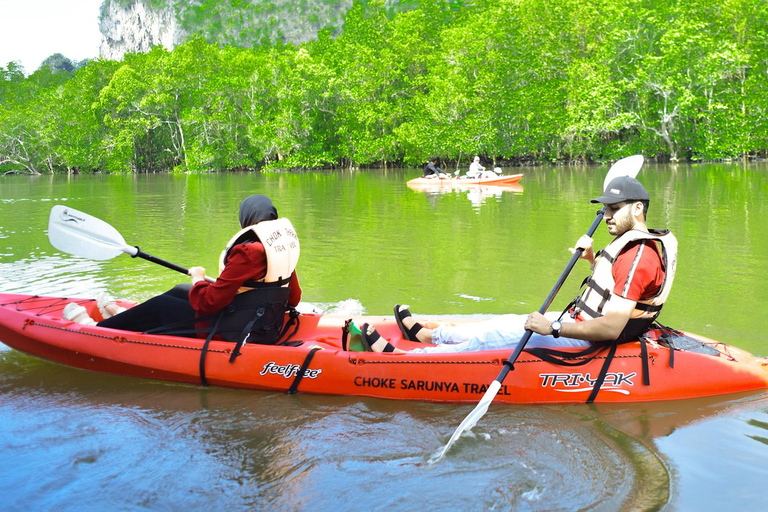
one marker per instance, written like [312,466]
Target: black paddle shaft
[509,364]
[159,261]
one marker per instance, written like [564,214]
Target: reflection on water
[155,445]
[83,440]
[478,195]
[52,275]
[725,452]
[763,425]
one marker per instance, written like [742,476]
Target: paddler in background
[475,169]
[431,170]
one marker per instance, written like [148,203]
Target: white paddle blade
[78,233]
[471,420]
[629,166]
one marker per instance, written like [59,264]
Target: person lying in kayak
[629,284]
[257,283]
[431,170]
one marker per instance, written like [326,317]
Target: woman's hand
[197,273]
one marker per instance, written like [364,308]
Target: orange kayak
[33,324]
[462,182]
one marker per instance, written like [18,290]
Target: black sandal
[370,339]
[408,334]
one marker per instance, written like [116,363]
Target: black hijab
[255,209]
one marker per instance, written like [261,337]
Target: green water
[367,237]
[85,441]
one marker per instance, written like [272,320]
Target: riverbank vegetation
[510,80]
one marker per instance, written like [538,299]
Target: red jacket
[245,262]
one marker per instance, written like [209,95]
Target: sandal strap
[373,337]
[409,334]
[414,330]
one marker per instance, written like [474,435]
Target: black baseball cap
[623,189]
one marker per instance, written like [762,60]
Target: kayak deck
[34,325]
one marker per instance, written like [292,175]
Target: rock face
[138,25]
[136,28]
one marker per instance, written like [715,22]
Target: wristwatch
[556,327]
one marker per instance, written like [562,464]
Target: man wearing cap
[631,277]
[630,280]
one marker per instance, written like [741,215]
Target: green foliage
[533,80]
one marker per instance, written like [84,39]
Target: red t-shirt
[638,271]
[245,262]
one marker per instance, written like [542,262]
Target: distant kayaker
[630,282]
[256,285]
[431,170]
[475,169]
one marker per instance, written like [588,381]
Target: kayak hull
[512,179]
[33,325]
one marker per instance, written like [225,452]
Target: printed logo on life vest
[272,239]
[579,382]
[289,370]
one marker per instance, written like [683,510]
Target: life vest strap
[261,284]
[602,292]
[582,306]
[602,253]
[648,307]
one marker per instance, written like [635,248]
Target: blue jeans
[501,332]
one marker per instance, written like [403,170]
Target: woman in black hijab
[244,266]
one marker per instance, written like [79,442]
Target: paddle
[80,234]
[629,166]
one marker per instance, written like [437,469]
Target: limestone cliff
[138,25]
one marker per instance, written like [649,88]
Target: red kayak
[702,368]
